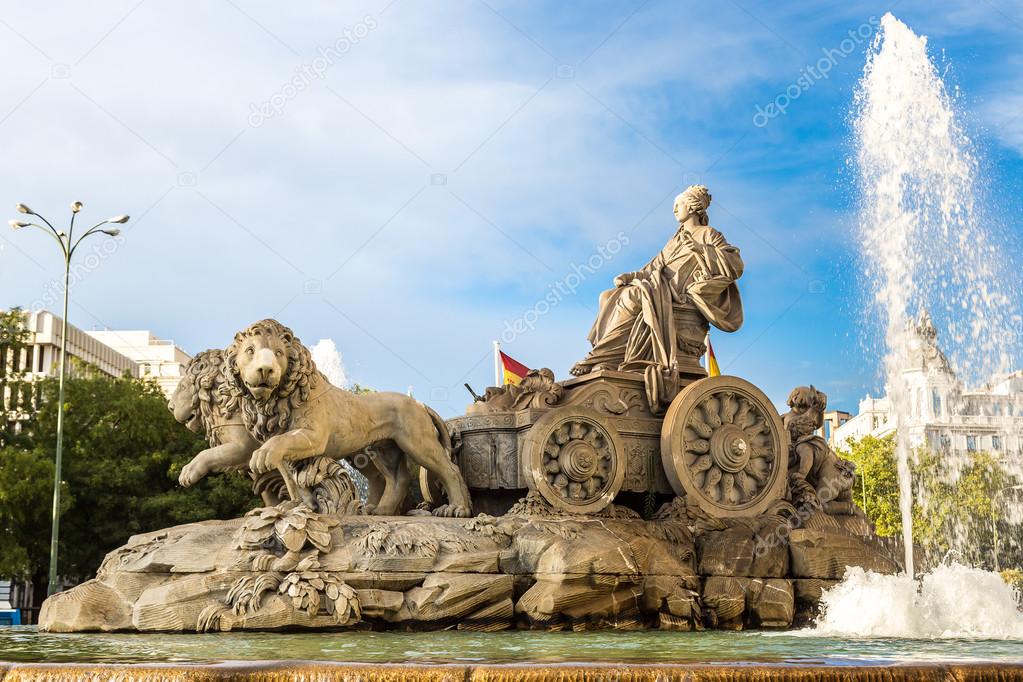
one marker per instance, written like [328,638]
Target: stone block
[807,593]
[770,603]
[736,603]
[90,606]
[741,551]
[826,553]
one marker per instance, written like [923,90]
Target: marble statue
[640,493]
[297,414]
[811,459]
[200,403]
[658,316]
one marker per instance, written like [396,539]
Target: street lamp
[994,521]
[68,245]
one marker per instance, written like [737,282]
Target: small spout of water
[328,361]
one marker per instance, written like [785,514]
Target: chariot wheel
[575,459]
[723,445]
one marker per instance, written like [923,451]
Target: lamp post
[68,244]
[994,521]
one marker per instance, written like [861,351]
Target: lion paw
[453,510]
[264,459]
[191,474]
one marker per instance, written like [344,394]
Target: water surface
[26,645]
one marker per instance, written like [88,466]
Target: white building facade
[137,354]
[156,359]
[944,416]
[41,357]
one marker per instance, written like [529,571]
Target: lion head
[195,402]
[268,374]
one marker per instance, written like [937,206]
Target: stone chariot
[720,443]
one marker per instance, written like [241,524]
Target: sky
[412,178]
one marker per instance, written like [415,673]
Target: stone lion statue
[200,403]
[197,404]
[296,413]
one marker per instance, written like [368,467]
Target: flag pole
[497,363]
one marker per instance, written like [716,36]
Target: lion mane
[204,372]
[273,416]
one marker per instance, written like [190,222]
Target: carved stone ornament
[576,459]
[723,446]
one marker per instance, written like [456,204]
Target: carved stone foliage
[609,399]
[536,390]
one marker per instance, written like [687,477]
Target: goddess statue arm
[648,270]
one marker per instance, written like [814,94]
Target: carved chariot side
[721,444]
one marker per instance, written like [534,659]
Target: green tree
[877,482]
[954,507]
[952,495]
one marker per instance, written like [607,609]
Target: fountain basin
[537,656]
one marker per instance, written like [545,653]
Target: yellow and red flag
[712,362]
[512,371]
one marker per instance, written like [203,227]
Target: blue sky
[409,177]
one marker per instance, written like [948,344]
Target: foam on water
[952,601]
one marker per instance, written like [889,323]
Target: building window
[971,443]
[996,443]
[936,402]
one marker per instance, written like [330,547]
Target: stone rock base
[289,568]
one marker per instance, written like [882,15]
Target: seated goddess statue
[655,320]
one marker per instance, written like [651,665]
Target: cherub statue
[811,459]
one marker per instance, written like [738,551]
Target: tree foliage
[952,499]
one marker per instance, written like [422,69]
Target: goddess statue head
[693,202]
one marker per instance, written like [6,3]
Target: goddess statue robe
[663,312]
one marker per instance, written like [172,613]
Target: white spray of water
[922,240]
[952,601]
[328,360]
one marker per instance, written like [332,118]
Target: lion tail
[441,426]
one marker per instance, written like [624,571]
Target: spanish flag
[712,362]
[512,371]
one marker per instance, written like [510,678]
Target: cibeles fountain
[637,493]
[633,493]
